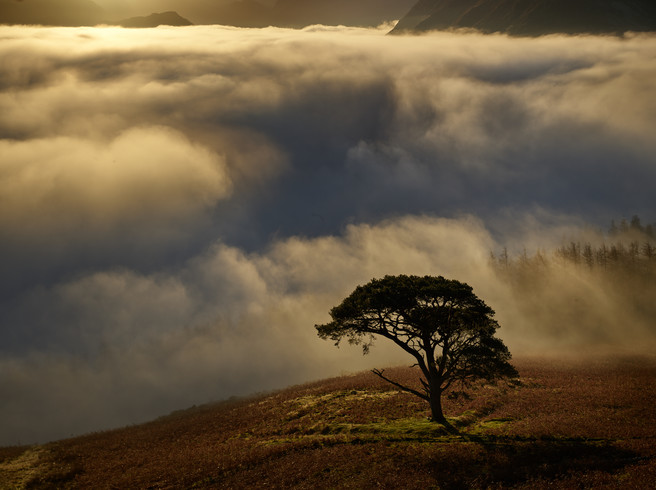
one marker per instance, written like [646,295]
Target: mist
[180,206]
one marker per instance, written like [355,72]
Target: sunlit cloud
[144,174]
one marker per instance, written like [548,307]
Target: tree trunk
[436,407]
[436,410]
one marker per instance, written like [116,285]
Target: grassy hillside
[567,425]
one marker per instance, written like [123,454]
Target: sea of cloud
[180,206]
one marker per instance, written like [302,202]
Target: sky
[180,206]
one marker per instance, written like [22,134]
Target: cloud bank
[181,205]
[142,174]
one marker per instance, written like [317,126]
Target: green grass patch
[494,423]
[420,430]
[410,429]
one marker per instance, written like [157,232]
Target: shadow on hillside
[512,461]
[462,460]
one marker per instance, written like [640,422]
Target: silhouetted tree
[602,255]
[440,322]
[503,259]
[634,251]
[588,255]
[636,225]
[624,227]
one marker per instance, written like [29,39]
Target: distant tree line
[632,227]
[629,246]
[627,255]
[587,289]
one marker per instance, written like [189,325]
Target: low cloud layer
[132,346]
[181,205]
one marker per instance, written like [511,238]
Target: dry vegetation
[566,425]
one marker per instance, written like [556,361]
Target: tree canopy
[440,322]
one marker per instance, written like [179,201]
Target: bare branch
[426,386]
[380,374]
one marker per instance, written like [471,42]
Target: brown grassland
[566,424]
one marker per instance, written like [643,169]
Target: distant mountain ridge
[240,13]
[153,20]
[72,13]
[531,17]
[515,17]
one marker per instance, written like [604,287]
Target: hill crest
[569,424]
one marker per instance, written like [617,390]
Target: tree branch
[426,386]
[404,345]
[380,374]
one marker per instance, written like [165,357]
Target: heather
[567,423]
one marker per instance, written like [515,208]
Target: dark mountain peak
[531,17]
[169,18]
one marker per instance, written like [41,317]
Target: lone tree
[440,322]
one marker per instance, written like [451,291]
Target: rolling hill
[531,17]
[568,424]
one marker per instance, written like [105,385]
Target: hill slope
[531,17]
[567,425]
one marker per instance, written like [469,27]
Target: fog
[180,206]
